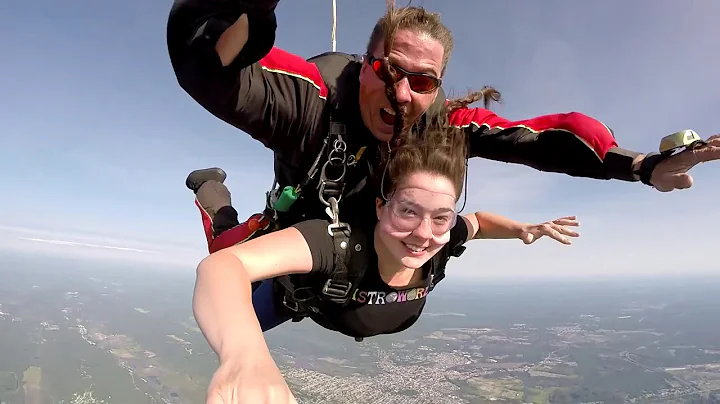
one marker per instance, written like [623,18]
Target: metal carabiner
[339,145]
[334,212]
[324,177]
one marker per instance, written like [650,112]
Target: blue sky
[96,137]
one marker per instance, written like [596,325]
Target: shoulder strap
[332,160]
[337,69]
[305,297]
[348,268]
[339,284]
[438,273]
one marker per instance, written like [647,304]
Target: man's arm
[571,143]
[223,56]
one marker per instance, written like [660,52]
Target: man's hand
[672,173]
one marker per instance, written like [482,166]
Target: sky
[96,136]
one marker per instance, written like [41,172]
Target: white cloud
[98,248]
[87,245]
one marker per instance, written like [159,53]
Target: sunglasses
[419,82]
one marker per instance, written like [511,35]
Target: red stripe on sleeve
[591,131]
[283,62]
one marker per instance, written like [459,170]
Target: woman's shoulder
[318,234]
[322,228]
[459,233]
[311,227]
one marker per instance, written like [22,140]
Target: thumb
[682,181]
[215,398]
[527,237]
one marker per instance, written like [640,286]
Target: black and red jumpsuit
[283,101]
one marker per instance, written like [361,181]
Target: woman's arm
[222,300]
[485,225]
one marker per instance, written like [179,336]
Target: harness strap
[438,273]
[350,262]
[331,185]
[332,173]
[293,301]
[338,286]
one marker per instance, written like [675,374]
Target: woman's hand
[556,230]
[254,381]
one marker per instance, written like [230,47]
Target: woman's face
[415,224]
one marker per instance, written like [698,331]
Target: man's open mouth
[388,116]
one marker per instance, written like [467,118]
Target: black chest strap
[305,295]
[438,273]
[338,286]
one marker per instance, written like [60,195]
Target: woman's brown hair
[434,146]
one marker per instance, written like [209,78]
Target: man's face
[413,53]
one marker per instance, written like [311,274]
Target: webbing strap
[345,274]
[349,264]
[438,272]
[337,288]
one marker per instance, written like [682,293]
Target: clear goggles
[409,208]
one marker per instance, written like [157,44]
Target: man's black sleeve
[570,143]
[276,97]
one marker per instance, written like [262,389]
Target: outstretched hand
[671,173]
[556,230]
[243,381]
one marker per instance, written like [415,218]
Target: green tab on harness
[286,199]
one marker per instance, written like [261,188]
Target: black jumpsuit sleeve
[569,143]
[276,97]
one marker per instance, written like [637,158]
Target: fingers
[552,230]
[567,221]
[564,230]
[709,152]
[557,230]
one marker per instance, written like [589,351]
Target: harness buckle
[336,225]
[337,291]
[292,305]
[434,279]
[336,128]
